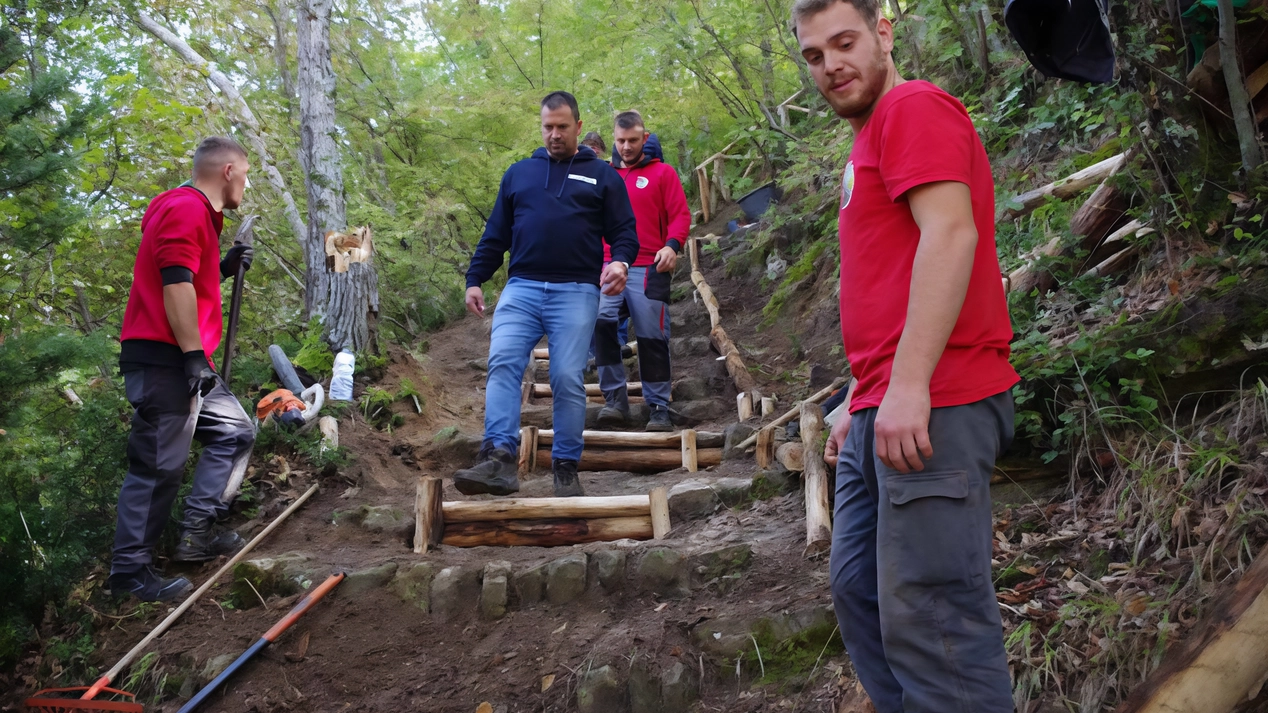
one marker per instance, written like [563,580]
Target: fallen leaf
[1173,286]
[561,628]
[661,607]
[485,707]
[1077,587]
[1137,605]
[676,651]
[547,681]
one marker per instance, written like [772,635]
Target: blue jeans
[564,312]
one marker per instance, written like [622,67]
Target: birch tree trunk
[346,301]
[1238,97]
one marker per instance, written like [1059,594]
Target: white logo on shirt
[641,182]
[587,179]
[847,185]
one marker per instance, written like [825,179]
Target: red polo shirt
[661,215]
[918,134]
[180,229]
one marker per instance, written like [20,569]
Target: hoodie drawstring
[563,182]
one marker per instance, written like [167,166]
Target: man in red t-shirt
[926,331]
[171,327]
[663,221]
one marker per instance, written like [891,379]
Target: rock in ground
[722,563]
[566,578]
[364,580]
[663,571]
[600,691]
[735,434]
[691,499]
[679,688]
[494,590]
[453,590]
[607,569]
[413,584]
[529,585]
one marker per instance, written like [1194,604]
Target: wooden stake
[768,406]
[659,500]
[693,252]
[765,447]
[792,413]
[543,391]
[528,449]
[689,460]
[650,460]
[547,533]
[329,428]
[429,518]
[744,405]
[546,508]
[636,439]
[815,479]
[1067,187]
[527,392]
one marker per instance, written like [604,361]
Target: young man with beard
[554,212]
[171,327]
[926,331]
[660,207]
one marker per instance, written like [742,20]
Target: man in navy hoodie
[554,211]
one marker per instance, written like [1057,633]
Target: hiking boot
[567,484]
[659,420]
[616,409]
[626,351]
[496,474]
[148,585]
[206,541]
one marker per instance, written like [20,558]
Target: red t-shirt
[660,207]
[918,134]
[180,229]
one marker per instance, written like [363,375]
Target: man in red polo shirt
[926,331]
[171,327]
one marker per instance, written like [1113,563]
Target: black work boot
[206,541]
[567,484]
[148,585]
[616,409]
[495,474]
[659,420]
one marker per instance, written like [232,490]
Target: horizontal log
[542,391]
[547,533]
[789,455]
[707,296]
[545,508]
[1067,187]
[636,439]
[544,352]
[639,461]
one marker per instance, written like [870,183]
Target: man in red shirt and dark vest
[171,327]
[926,331]
[663,221]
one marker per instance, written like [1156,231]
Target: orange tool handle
[96,688]
[304,605]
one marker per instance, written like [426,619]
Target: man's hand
[666,259]
[238,255]
[836,439]
[612,281]
[202,378]
[475,301]
[902,428]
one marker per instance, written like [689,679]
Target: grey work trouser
[911,566]
[646,298]
[165,422]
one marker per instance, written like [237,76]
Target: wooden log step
[544,352]
[554,532]
[547,508]
[639,461]
[636,439]
[633,388]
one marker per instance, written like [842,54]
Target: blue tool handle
[211,687]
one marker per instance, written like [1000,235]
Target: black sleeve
[175,275]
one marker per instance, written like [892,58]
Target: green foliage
[314,354]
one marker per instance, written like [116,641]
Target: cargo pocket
[930,529]
[657,285]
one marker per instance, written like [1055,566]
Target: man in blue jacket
[553,213]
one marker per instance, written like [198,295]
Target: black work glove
[238,255]
[202,378]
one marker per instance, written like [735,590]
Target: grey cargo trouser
[911,565]
[646,297]
[165,422]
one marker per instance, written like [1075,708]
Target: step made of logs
[633,388]
[636,439]
[638,461]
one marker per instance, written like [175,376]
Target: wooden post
[429,517]
[702,177]
[689,459]
[794,411]
[768,406]
[789,455]
[329,428]
[744,405]
[765,447]
[527,392]
[815,480]
[723,192]
[528,450]
[693,253]
[659,498]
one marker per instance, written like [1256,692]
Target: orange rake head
[37,704]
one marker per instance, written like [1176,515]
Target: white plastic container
[341,382]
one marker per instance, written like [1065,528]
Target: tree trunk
[346,301]
[1238,99]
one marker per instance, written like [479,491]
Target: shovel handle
[303,606]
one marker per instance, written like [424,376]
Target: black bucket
[755,202]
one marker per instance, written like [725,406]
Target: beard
[871,82]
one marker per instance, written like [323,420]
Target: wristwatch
[626,264]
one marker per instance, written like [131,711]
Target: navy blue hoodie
[553,217]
